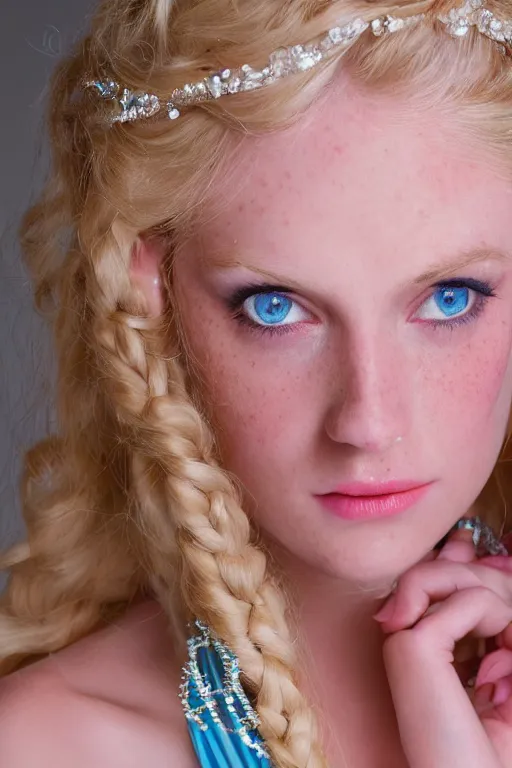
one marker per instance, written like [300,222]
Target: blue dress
[222,724]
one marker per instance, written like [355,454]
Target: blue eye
[456,301]
[452,301]
[272,309]
[269,308]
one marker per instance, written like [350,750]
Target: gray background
[33,34]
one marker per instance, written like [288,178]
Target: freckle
[241,207]
[287,175]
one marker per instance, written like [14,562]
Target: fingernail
[501,692]
[483,697]
[386,612]
[462,534]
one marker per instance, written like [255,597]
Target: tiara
[129,105]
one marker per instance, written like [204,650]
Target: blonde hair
[130,496]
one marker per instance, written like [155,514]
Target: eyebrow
[232,260]
[439,270]
[435,273]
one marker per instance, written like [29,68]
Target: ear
[146,273]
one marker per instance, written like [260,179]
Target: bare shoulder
[108,700]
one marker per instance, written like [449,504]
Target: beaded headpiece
[129,105]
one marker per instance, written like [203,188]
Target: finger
[494,667]
[482,698]
[500,562]
[476,609]
[492,695]
[459,548]
[502,690]
[428,583]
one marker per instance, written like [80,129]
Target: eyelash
[236,301]
[483,290]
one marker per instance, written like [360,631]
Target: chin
[376,575]
[370,564]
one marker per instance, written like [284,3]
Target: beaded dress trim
[222,723]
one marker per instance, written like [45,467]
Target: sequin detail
[131,105]
[222,723]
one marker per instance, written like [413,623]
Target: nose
[373,395]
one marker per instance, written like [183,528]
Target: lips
[378,489]
[360,501]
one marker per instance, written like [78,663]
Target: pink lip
[364,501]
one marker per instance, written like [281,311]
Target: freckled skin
[354,204]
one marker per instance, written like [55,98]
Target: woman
[282,312]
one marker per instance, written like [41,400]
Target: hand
[437,603]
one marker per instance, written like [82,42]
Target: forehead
[361,171]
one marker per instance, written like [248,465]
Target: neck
[327,608]
[341,661]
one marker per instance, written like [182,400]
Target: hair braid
[197,521]
[73,492]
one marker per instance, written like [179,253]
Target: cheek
[258,410]
[256,402]
[470,392]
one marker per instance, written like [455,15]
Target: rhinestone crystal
[107,89]
[280,62]
[234,85]
[251,78]
[394,25]
[136,104]
[214,85]
[378,27]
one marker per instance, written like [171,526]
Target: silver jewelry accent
[484,538]
[486,542]
[200,700]
[473,14]
[132,105]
